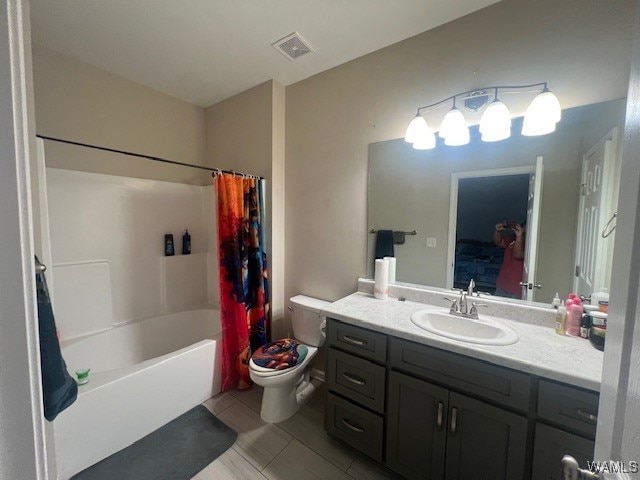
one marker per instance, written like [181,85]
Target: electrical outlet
[431,242]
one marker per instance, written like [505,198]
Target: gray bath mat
[176,451]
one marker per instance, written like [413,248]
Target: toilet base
[280,403]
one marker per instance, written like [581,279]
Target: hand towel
[384,244]
[59,389]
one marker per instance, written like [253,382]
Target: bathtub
[143,375]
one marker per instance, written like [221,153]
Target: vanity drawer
[568,406]
[502,385]
[357,379]
[368,344]
[354,425]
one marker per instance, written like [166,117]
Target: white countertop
[539,350]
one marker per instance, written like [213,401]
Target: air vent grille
[293,46]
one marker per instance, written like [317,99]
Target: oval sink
[483,331]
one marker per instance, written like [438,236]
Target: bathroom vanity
[429,407]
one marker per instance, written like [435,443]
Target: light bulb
[495,123]
[416,129]
[451,120]
[454,128]
[542,114]
[426,142]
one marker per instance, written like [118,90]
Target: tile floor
[296,449]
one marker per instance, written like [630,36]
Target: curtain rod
[148,157]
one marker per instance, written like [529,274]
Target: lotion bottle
[574,316]
[561,320]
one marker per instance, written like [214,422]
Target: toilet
[286,383]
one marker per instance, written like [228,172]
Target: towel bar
[414,232]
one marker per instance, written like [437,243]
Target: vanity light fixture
[540,118]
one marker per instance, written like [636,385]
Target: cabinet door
[484,442]
[416,427]
[551,445]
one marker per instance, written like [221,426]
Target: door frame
[619,410]
[453,207]
[22,435]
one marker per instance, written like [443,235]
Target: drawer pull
[354,379]
[586,415]
[352,427]
[354,341]
[440,415]
[454,420]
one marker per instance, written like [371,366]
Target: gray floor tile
[297,462]
[229,466]
[258,442]
[220,402]
[251,397]
[364,469]
[308,427]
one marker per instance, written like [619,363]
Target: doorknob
[537,285]
[571,470]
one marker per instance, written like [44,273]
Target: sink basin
[485,331]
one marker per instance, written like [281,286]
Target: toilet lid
[280,355]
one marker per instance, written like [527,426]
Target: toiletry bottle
[561,320]
[168,245]
[556,302]
[585,325]
[601,300]
[186,243]
[574,316]
[569,301]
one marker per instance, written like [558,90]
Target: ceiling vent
[293,46]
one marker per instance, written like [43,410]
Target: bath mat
[176,451]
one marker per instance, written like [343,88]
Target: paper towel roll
[392,269]
[381,284]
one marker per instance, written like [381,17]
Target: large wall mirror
[466,204]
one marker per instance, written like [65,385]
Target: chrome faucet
[460,306]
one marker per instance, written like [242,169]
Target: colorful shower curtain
[244,293]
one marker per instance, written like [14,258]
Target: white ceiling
[203,51]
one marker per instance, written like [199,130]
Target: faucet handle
[454,303]
[474,308]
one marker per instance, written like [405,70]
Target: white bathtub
[143,375]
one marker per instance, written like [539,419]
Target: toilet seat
[269,372]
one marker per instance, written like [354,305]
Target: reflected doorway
[487,209]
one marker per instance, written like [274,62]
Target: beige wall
[246,133]
[581,48]
[75,101]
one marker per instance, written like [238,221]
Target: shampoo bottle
[186,243]
[556,302]
[168,245]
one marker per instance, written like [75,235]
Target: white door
[595,210]
[529,280]
[22,442]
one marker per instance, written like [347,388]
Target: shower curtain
[244,293]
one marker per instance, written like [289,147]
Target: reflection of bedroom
[483,202]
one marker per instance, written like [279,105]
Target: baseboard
[317,374]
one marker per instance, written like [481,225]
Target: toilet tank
[308,324]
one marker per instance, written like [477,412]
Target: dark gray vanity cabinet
[430,414]
[416,427]
[425,420]
[573,412]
